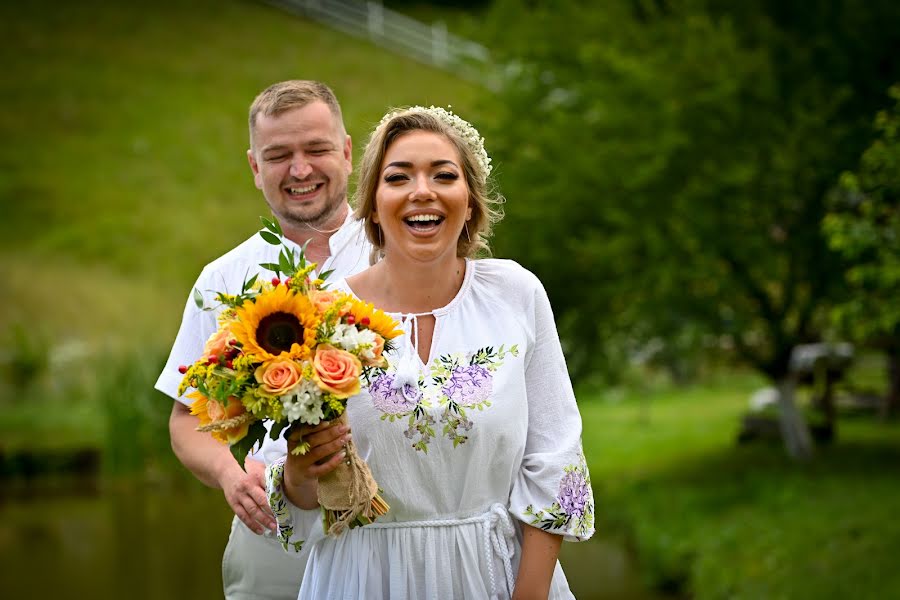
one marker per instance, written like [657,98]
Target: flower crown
[463,128]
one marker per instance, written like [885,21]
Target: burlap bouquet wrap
[349,492]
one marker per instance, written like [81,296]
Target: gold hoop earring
[466,226]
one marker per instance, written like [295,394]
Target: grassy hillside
[123,166]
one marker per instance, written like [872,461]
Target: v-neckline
[437,313]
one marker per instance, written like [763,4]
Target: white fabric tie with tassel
[408,367]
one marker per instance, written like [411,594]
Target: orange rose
[323,299]
[218,342]
[278,377]
[210,411]
[376,360]
[336,371]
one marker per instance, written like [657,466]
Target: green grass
[717,520]
[123,167]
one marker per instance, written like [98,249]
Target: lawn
[123,168]
[713,519]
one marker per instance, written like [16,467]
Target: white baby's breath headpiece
[463,128]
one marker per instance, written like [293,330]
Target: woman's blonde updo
[476,166]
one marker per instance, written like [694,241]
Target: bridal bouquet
[290,351]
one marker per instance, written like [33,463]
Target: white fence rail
[431,44]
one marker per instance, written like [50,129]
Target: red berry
[365,321]
[229,364]
[275,281]
[182,369]
[351,319]
[212,360]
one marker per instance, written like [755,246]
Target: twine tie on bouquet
[349,492]
[498,534]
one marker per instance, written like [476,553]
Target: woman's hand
[302,471]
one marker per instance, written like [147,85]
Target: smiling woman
[422,201]
[472,429]
[453,144]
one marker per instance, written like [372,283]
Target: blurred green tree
[667,165]
[864,225]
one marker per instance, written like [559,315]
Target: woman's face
[422,199]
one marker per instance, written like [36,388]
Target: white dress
[484,437]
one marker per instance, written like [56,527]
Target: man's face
[301,160]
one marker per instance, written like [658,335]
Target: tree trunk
[794,431]
[891,406]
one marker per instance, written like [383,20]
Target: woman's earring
[466,225]
[380,241]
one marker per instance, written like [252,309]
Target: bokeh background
[709,191]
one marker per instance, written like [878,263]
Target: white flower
[343,337]
[351,339]
[304,405]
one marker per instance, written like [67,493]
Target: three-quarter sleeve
[552,490]
[297,527]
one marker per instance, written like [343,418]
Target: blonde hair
[483,199]
[283,96]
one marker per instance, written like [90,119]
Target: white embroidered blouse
[482,438]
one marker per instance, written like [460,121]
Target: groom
[300,156]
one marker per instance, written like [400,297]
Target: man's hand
[213,464]
[245,493]
[326,451]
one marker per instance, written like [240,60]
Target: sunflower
[211,411]
[379,321]
[276,323]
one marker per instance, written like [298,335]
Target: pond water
[76,539]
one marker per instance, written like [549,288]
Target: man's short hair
[287,95]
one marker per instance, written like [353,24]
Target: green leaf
[277,226]
[285,263]
[271,267]
[271,225]
[326,274]
[198,298]
[270,237]
[303,254]
[249,283]
[255,434]
[277,428]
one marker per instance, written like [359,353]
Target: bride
[473,432]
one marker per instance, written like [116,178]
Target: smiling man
[300,157]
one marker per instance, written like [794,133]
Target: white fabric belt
[499,539]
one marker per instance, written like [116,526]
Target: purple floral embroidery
[574,493]
[456,382]
[469,385]
[391,401]
[573,510]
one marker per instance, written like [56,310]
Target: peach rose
[336,371]
[376,359]
[278,377]
[323,299]
[218,342]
